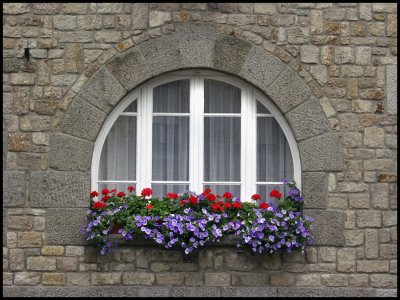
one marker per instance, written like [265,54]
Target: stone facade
[329,67]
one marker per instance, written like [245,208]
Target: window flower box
[188,221]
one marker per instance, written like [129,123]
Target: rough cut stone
[130,69]
[322,153]
[140,15]
[29,239]
[41,263]
[373,266]
[63,226]
[69,153]
[106,278]
[217,279]
[52,250]
[379,195]
[67,263]
[261,68]
[328,227]
[131,278]
[288,90]
[78,278]
[16,260]
[27,278]
[369,219]
[307,120]
[315,189]
[230,54]
[346,258]
[196,44]
[13,189]
[103,90]
[53,279]
[391,77]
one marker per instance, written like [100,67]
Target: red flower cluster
[227,195]
[172,196]
[131,188]
[183,202]
[256,197]
[149,206]
[206,192]
[147,192]
[237,205]
[193,200]
[113,191]
[94,194]
[121,194]
[105,198]
[275,193]
[211,197]
[264,205]
[105,192]
[218,206]
[99,205]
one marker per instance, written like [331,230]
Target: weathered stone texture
[13,189]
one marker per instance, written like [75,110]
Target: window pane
[274,159]
[131,107]
[261,109]
[221,149]
[160,190]
[220,97]
[171,148]
[119,186]
[118,156]
[172,97]
[221,189]
[265,190]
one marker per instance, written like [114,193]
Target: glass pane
[120,187]
[160,190]
[274,159]
[261,109]
[221,189]
[220,97]
[171,148]
[221,149]
[118,156]
[132,107]
[172,97]
[265,190]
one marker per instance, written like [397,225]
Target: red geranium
[215,206]
[228,205]
[113,191]
[172,196]
[147,192]
[131,188]
[227,195]
[94,194]
[105,191]
[99,205]
[206,192]
[275,193]
[183,202]
[256,197]
[237,205]
[264,205]
[121,194]
[211,197]
[194,200]
[149,206]
[105,198]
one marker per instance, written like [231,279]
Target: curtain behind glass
[118,156]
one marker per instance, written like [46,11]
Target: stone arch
[201,46]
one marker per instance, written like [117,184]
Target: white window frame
[248,115]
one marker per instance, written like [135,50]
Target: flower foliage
[190,220]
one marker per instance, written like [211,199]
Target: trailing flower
[190,220]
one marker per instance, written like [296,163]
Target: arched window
[192,130]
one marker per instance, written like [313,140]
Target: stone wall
[330,68]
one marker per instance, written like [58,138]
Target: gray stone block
[230,54]
[196,44]
[322,153]
[71,291]
[68,153]
[5,146]
[307,120]
[162,54]
[103,90]
[261,68]
[195,292]
[154,291]
[13,189]
[391,78]
[83,120]
[315,189]
[325,292]
[288,90]
[59,189]
[130,69]
[328,227]
[63,226]
[249,292]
